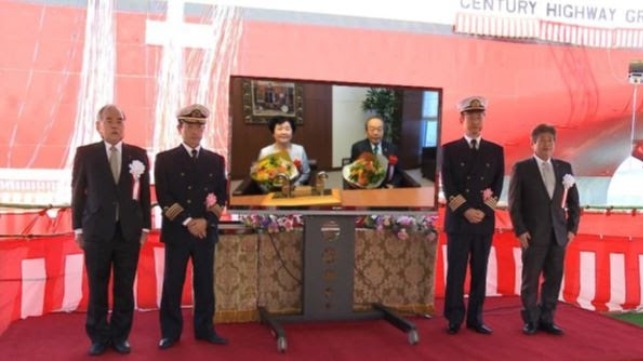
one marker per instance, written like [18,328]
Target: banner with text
[604,24]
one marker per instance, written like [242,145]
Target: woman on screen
[282,130]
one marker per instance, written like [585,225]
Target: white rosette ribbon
[136,169]
[568,182]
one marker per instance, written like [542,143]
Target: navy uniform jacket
[182,186]
[95,195]
[466,173]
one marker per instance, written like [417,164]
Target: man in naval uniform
[472,178]
[191,190]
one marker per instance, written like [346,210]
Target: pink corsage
[487,194]
[210,200]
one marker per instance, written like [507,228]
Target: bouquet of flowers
[265,170]
[368,171]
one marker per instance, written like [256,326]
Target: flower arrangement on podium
[367,171]
[272,223]
[401,226]
[265,171]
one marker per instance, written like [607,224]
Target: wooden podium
[327,289]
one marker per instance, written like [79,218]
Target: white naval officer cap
[472,104]
[194,114]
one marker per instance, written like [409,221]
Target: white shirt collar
[469,139]
[189,149]
[108,147]
[541,161]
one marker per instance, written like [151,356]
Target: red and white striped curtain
[601,273]
[47,275]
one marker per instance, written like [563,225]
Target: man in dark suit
[374,144]
[545,212]
[191,190]
[111,220]
[472,178]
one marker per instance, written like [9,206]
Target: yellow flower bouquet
[265,171]
[368,171]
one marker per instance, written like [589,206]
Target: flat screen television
[329,118]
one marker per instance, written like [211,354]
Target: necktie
[114,163]
[194,154]
[376,149]
[549,178]
[474,144]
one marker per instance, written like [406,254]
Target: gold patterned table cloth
[262,269]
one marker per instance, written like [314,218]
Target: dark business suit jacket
[364,146]
[532,210]
[95,196]
[184,185]
[110,246]
[387,149]
[465,174]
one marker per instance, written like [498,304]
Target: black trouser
[101,258]
[176,260]
[546,259]
[462,249]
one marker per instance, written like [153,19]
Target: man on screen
[374,144]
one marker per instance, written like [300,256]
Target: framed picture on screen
[264,99]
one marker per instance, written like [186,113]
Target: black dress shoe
[167,342]
[122,347]
[453,328]
[97,348]
[214,338]
[551,329]
[529,328]
[480,328]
